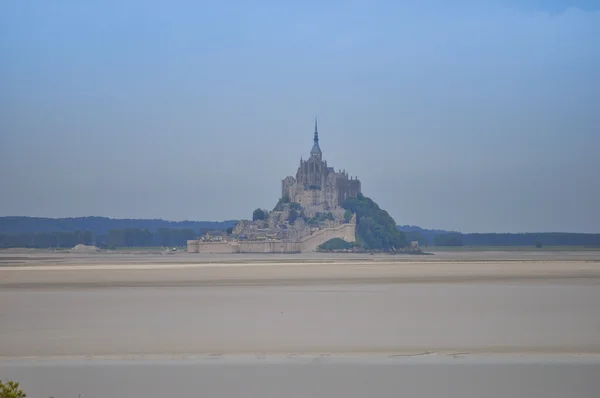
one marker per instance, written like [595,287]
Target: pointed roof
[316,150]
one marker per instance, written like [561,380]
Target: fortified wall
[306,244]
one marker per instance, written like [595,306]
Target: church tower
[317,187]
[316,150]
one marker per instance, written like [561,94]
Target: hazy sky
[471,116]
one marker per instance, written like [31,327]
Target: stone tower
[318,187]
[316,150]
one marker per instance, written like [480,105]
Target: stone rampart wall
[344,231]
[197,246]
[269,247]
[306,244]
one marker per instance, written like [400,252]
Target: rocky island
[319,209]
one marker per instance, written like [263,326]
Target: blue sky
[471,116]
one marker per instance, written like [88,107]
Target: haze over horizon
[464,116]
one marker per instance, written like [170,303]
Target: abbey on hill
[308,214]
[317,187]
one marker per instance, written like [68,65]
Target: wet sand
[338,304]
[320,318]
[327,377]
[340,327]
[122,270]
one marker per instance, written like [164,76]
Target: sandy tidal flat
[456,324]
[368,304]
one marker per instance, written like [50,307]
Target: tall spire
[316,151]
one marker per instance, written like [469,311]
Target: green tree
[11,389]
[115,238]
[450,239]
[182,235]
[335,244]
[164,236]
[88,238]
[259,214]
[347,216]
[416,236]
[292,216]
[375,228]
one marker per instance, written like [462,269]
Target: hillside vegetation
[335,244]
[375,228]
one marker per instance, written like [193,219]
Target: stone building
[308,243]
[318,187]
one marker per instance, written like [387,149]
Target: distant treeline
[107,232]
[46,239]
[101,225]
[423,236]
[137,237]
[525,239]
[128,237]
[446,238]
